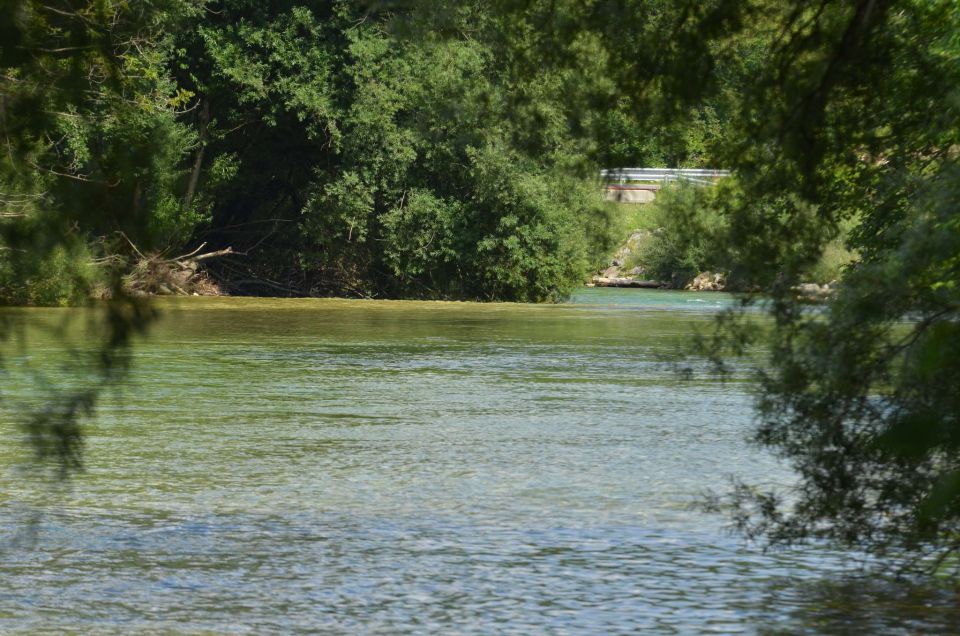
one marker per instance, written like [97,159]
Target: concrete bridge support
[631,194]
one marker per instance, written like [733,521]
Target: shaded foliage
[856,119]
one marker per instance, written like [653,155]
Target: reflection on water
[358,466]
[848,604]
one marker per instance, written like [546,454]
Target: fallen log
[601,281]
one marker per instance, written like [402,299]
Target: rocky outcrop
[614,274]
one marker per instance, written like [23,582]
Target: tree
[849,113]
[351,149]
[836,114]
[855,118]
[91,148]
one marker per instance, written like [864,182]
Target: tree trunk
[198,160]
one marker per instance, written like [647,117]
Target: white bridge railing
[699,176]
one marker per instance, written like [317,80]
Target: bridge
[640,185]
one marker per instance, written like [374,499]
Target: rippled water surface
[399,467]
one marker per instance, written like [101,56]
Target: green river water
[333,466]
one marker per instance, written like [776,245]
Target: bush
[679,247]
[539,232]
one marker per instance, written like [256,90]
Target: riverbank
[657,254]
[630,267]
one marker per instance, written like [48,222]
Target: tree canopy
[337,147]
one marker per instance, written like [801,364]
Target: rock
[617,262]
[611,272]
[636,271]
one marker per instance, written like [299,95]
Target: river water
[403,467]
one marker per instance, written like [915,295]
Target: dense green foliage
[92,141]
[855,120]
[389,162]
[338,148]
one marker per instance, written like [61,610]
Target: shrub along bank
[670,244]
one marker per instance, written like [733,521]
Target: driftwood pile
[153,274]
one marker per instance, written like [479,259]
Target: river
[303,466]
